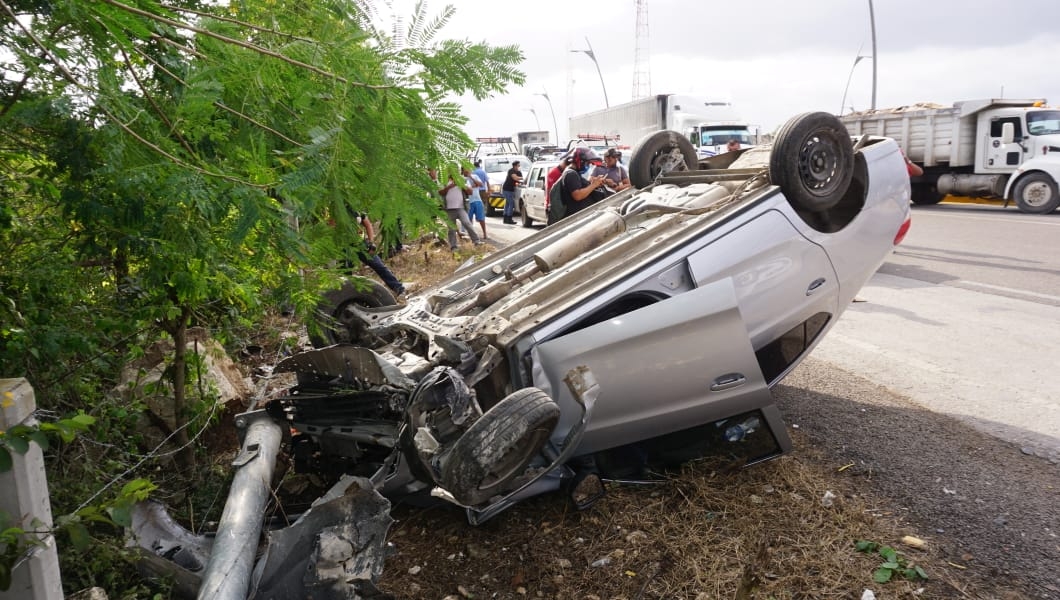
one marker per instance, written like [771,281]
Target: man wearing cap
[577,192]
[617,175]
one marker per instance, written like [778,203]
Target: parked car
[496,166]
[533,205]
[644,330]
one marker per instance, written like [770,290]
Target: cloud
[771,58]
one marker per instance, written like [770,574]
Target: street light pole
[592,55]
[872,21]
[857,59]
[549,100]
[536,120]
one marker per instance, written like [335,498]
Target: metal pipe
[228,573]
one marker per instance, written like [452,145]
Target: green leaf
[18,444]
[920,572]
[79,536]
[889,553]
[890,565]
[5,459]
[865,546]
[40,438]
[121,515]
[83,421]
[882,575]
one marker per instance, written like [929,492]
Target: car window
[501,164]
[538,178]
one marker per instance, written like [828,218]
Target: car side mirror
[1008,133]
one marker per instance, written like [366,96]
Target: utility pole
[872,21]
[641,60]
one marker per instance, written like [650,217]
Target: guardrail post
[24,499]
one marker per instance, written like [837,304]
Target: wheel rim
[819,164]
[1037,194]
[670,161]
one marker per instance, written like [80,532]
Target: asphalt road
[962,319]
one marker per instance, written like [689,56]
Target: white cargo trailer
[708,124]
[1003,149]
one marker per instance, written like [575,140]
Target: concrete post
[24,499]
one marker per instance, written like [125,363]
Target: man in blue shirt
[476,210]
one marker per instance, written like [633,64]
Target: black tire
[498,446]
[1036,194]
[923,194]
[659,153]
[523,217]
[335,326]
[812,161]
[490,211]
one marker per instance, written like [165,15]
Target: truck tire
[498,446]
[812,161]
[335,326]
[1036,193]
[923,194]
[659,153]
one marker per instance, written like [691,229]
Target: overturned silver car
[635,334]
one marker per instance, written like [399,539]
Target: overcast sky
[771,58]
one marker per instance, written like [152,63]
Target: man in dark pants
[511,191]
[367,255]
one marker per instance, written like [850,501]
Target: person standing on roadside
[453,195]
[576,191]
[368,255]
[511,191]
[617,175]
[476,206]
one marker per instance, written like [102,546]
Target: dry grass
[758,533]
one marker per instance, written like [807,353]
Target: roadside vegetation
[180,167]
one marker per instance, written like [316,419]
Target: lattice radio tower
[641,61]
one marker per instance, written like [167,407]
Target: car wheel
[1036,193]
[498,446]
[490,211]
[523,216]
[659,153]
[923,194]
[812,161]
[336,326]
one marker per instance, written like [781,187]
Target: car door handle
[815,285]
[727,382]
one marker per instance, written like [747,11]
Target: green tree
[164,165]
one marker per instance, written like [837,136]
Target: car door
[668,366]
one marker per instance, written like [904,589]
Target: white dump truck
[708,124]
[1000,148]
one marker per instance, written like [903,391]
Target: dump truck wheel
[812,161]
[660,153]
[1036,194]
[498,446]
